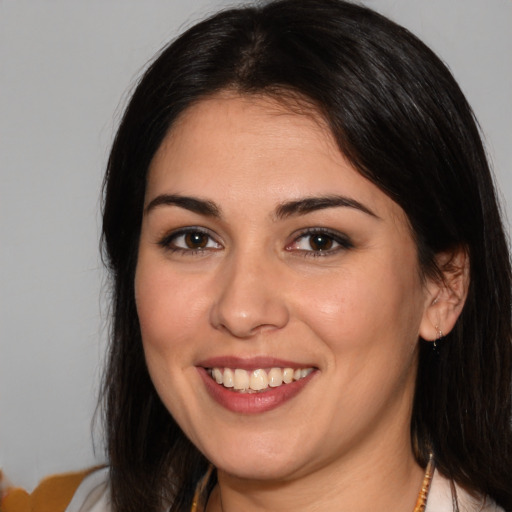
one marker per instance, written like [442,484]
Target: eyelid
[166,241]
[342,240]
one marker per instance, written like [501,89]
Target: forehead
[256,149]
[248,126]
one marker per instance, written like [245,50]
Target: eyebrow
[311,204]
[193,204]
[284,210]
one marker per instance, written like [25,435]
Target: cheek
[367,309]
[370,325]
[169,308]
[169,317]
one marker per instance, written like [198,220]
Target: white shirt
[93,496]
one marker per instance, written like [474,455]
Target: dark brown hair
[400,118]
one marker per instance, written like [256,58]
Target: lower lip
[253,403]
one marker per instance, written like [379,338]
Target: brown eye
[320,242]
[196,240]
[190,240]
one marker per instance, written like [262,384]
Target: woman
[311,280]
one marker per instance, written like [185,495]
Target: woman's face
[278,293]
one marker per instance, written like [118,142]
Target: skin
[353,311]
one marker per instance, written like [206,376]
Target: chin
[274,461]
[256,470]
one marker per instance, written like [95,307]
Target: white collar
[441,498]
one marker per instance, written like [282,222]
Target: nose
[250,298]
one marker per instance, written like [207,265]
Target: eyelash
[343,242]
[167,241]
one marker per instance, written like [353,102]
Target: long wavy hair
[399,117]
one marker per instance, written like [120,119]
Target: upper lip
[250,363]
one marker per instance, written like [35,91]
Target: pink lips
[251,403]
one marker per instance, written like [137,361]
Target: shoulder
[443,495]
[92,494]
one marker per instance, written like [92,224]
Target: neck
[389,481]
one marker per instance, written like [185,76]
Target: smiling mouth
[256,381]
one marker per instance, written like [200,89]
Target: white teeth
[305,372]
[257,380]
[241,380]
[275,377]
[287,375]
[228,381]
[217,375]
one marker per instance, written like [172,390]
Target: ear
[446,294]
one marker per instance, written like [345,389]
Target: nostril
[244,324]
[248,301]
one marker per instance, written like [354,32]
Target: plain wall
[66,68]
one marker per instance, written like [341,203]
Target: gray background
[65,72]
